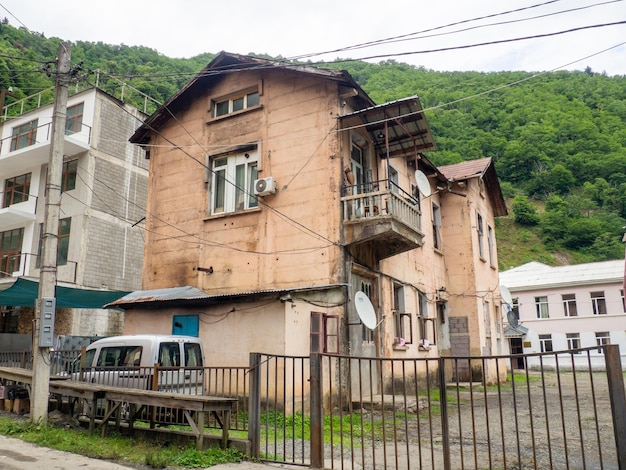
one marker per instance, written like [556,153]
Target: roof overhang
[22,292]
[398,128]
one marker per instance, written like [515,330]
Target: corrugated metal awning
[406,125]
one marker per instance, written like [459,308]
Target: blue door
[188,325]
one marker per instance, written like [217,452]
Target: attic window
[235,103]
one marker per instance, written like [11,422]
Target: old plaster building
[104,184]
[278,191]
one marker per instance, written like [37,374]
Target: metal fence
[376,413]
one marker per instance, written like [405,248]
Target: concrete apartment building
[104,186]
[277,192]
[567,307]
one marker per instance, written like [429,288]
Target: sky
[288,28]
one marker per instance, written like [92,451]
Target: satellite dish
[422,183]
[365,310]
[513,318]
[506,295]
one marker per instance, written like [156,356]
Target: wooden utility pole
[43,327]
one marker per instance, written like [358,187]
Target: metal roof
[534,275]
[404,122]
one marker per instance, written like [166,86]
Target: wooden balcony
[383,222]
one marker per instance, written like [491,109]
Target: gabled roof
[223,64]
[481,168]
[533,275]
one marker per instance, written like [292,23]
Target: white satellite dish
[506,295]
[422,183]
[365,310]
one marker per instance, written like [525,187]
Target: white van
[129,361]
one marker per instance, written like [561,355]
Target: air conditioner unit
[264,186]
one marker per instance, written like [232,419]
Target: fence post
[317,412]
[254,405]
[618,400]
[443,403]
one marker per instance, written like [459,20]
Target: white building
[104,187]
[567,308]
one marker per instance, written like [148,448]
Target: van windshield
[120,356]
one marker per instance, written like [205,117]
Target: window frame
[598,303]
[480,233]
[491,243]
[603,338]
[19,190]
[545,343]
[28,131]
[539,307]
[573,342]
[219,111]
[570,308]
[225,171]
[11,251]
[68,175]
[324,331]
[74,118]
[63,244]
[436,226]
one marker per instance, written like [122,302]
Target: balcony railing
[380,199]
[380,218]
[44,130]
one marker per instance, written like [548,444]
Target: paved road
[19,455]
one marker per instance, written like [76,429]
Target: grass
[121,449]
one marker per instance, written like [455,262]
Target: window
[623,301]
[9,318]
[237,103]
[598,303]
[491,240]
[394,180]
[545,343]
[573,342]
[16,189]
[10,251]
[602,338]
[423,304]
[233,182]
[324,333]
[68,177]
[24,135]
[118,356]
[436,226]
[169,355]
[426,324]
[63,246]
[541,304]
[569,305]
[74,120]
[403,323]
[481,235]
[368,335]
[64,241]
[193,355]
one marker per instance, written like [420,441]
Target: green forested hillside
[558,139]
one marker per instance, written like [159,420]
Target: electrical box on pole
[46,331]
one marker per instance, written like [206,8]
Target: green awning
[24,292]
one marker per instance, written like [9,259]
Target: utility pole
[43,328]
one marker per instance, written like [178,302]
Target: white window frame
[224,182]
[541,306]
[602,339]
[544,342]
[598,303]
[573,342]
[236,103]
[569,305]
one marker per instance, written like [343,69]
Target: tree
[524,211]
